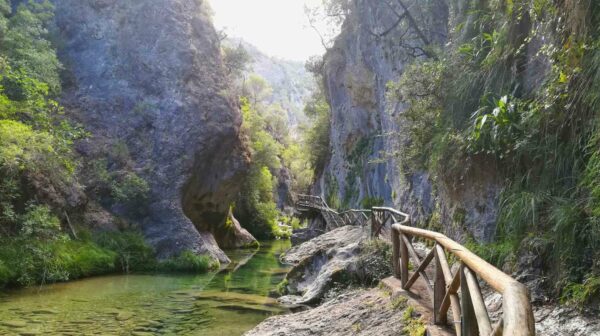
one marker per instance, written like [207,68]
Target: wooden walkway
[449,294]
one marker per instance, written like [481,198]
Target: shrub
[39,223]
[132,251]
[130,189]
[581,294]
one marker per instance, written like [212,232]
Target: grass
[399,302]
[26,261]
[413,325]
[188,262]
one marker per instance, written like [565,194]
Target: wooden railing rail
[383,218]
[358,217]
[460,291]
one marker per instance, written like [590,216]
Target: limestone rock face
[149,74]
[367,136]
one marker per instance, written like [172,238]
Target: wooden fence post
[396,253]
[439,291]
[373,220]
[468,319]
[403,260]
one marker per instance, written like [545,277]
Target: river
[223,303]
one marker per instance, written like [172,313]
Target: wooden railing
[458,291]
[382,220]
[470,315]
[378,218]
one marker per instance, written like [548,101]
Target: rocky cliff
[366,137]
[369,137]
[146,77]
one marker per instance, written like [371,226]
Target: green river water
[228,302]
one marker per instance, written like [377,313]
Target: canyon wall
[147,76]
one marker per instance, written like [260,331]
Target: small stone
[29,332]
[45,311]
[124,316]
[14,323]
[141,333]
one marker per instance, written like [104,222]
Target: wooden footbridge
[452,288]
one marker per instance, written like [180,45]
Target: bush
[583,293]
[130,189]
[189,262]
[132,251]
[38,222]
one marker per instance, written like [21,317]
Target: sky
[276,27]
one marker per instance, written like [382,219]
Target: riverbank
[27,262]
[203,304]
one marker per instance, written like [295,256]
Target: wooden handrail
[517,316]
[459,291]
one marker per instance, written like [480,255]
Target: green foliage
[36,149]
[130,189]
[189,262]
[30,261]
[236,60]
[256,208]
[413,325]
[497,253]
[26,43]
[296,157]
[475,110]
[581,294]
[38,222]
[133,254]
[497,131]
[399,302]
[370,202]
[281,288]
[257,90]
[316,137]
[23,149]
[421,87]
[26,260]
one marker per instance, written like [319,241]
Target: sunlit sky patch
[277,27]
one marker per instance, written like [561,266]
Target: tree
[326,19]
[26,43]
[257,89]
[236,60]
